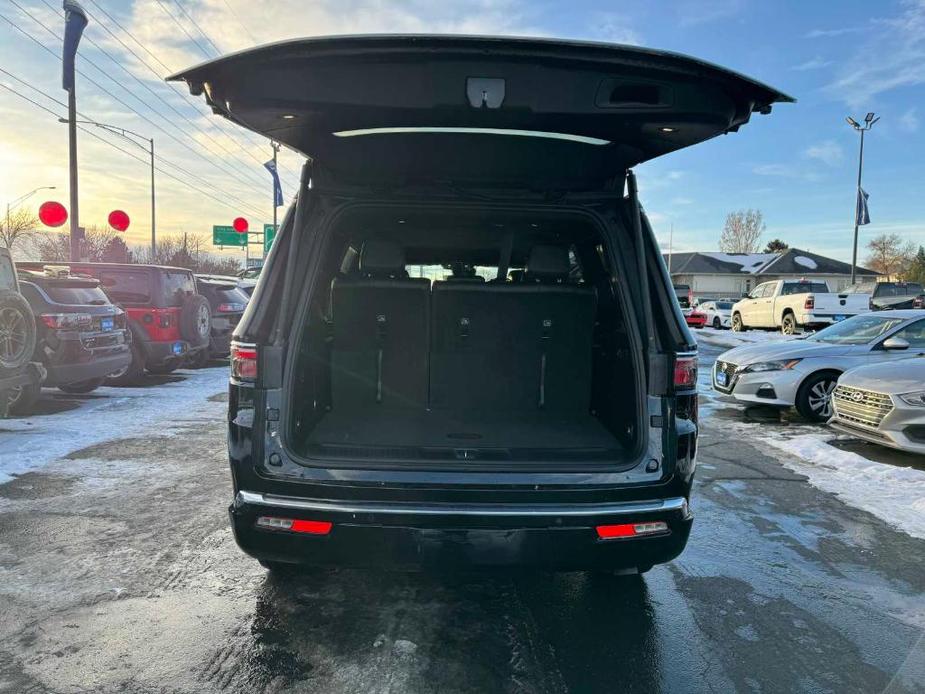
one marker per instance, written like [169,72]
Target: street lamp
[22,198]
[123,132]
[869,121]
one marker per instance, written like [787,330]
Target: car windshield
[76,296]
[804,288]
[858,330]
[724,305]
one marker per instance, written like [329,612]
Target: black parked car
[887,296]
[228,302]
[17,337]
[81,338]
[385,410]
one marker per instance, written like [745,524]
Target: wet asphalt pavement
[118,572]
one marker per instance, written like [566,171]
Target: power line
[253,137]
[173,137]
[243,25]
[198,28]
[183,29]
[241,204]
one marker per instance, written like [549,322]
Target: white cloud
[828,152]
[691,12]
[813,64]
[682,201]
[909,121]
[614,28]
[830,33]
[892,55]
[786,171]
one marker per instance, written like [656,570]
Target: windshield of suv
[893,289]
[7,278]
[858,330]
[177,286]
[128,286]
[74,296]
[804,288]
[724,305]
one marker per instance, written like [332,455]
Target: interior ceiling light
[668,130]
[288,116]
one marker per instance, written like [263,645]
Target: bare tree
[186,250]
[890,255]
[742,231]
[17,226]
[56,246]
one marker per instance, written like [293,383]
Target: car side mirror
[895,343]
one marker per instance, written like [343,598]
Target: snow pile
[747,262]
[109,413]
[727,338]
[894,494]
[805,262]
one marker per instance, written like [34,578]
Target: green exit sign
[269,233]
[227,236]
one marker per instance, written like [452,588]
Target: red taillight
[243,362]
[810,302]
[608,532]
[685,372]
[295,525]
[66,321]
[230,308]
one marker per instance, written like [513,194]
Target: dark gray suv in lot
[464,346]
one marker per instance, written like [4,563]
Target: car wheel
[131,374]
[82,386]
[788,326]
[814,398]
[199,360]
[23,398]
[737,325]
[717,323]
[196,320]
[17,333]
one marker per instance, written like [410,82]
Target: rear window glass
[74,296]
[891,289]
[723,305]
[804,288]
[177,286]
[128,286]
[439,273]
[7,276]
[228,295]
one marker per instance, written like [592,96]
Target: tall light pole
[22,198]
[124,132]
[869,121]
[75,20]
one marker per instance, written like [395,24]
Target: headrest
[382,258]
[547,263]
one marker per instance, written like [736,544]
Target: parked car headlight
[760,366]
[916,399]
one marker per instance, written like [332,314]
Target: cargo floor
[380,427]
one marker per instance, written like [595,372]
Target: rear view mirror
[895,343]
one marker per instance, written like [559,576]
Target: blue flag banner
[863,213]
[74,23]
[277,188]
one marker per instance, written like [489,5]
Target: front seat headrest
[547,263]
[382,259]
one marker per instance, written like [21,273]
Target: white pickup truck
[794,304]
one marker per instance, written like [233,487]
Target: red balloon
[240,225]
[118,220]
[52,214]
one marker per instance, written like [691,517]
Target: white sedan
[718,313]
[804,372]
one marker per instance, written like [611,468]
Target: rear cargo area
[489,338]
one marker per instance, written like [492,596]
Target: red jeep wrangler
[170,322]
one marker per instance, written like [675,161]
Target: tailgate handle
[485,92]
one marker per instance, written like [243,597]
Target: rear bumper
[157,353]
[62,374]
[561,537]
[72,361]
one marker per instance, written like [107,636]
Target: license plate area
[106,324]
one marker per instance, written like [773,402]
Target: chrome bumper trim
[572,510]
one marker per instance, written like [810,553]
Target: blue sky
[797,165]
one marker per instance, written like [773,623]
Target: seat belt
[380,341]
[504,259]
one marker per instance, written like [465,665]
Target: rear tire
[788,325]
[132,373]
[814,398]
[82,387]
[23,398]
[17,333]
[717,323]
[196,320]
[737,325]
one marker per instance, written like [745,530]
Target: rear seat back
[524,346]
[381,328]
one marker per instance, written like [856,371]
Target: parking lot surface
[118,572]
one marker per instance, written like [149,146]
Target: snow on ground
[727,338]
[109,413]
[894,494]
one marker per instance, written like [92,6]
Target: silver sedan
[804,372]
[883,403]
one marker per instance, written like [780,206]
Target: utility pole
[869,121]
[670,243]
[153,232]
[75,20]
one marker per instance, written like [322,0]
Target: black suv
[228,302]
[17,337]
[887,296]
[465,346]
[81,338]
